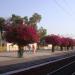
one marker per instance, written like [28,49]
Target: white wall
[11,47]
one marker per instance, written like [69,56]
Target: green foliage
[16,19]
[42,32]
[2,23]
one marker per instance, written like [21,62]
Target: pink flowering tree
[54,40]
[67,42]
[71,43]
[21,35]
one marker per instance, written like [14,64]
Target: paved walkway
[7,58]
[10,62]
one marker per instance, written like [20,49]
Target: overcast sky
[58,16]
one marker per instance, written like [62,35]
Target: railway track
[48,68]
[68,69]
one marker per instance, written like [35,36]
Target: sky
[58,16]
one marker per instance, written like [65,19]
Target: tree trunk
[72,47]
[1,41]
[67,47]
[38,46]
[61,47]
[52,48]
[20,52]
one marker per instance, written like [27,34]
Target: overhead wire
[60,6]
[64,10]
[68,6]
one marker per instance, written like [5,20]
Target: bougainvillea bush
[64,42]
[54,40]
[67,42]
[71,43]
[21,35]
